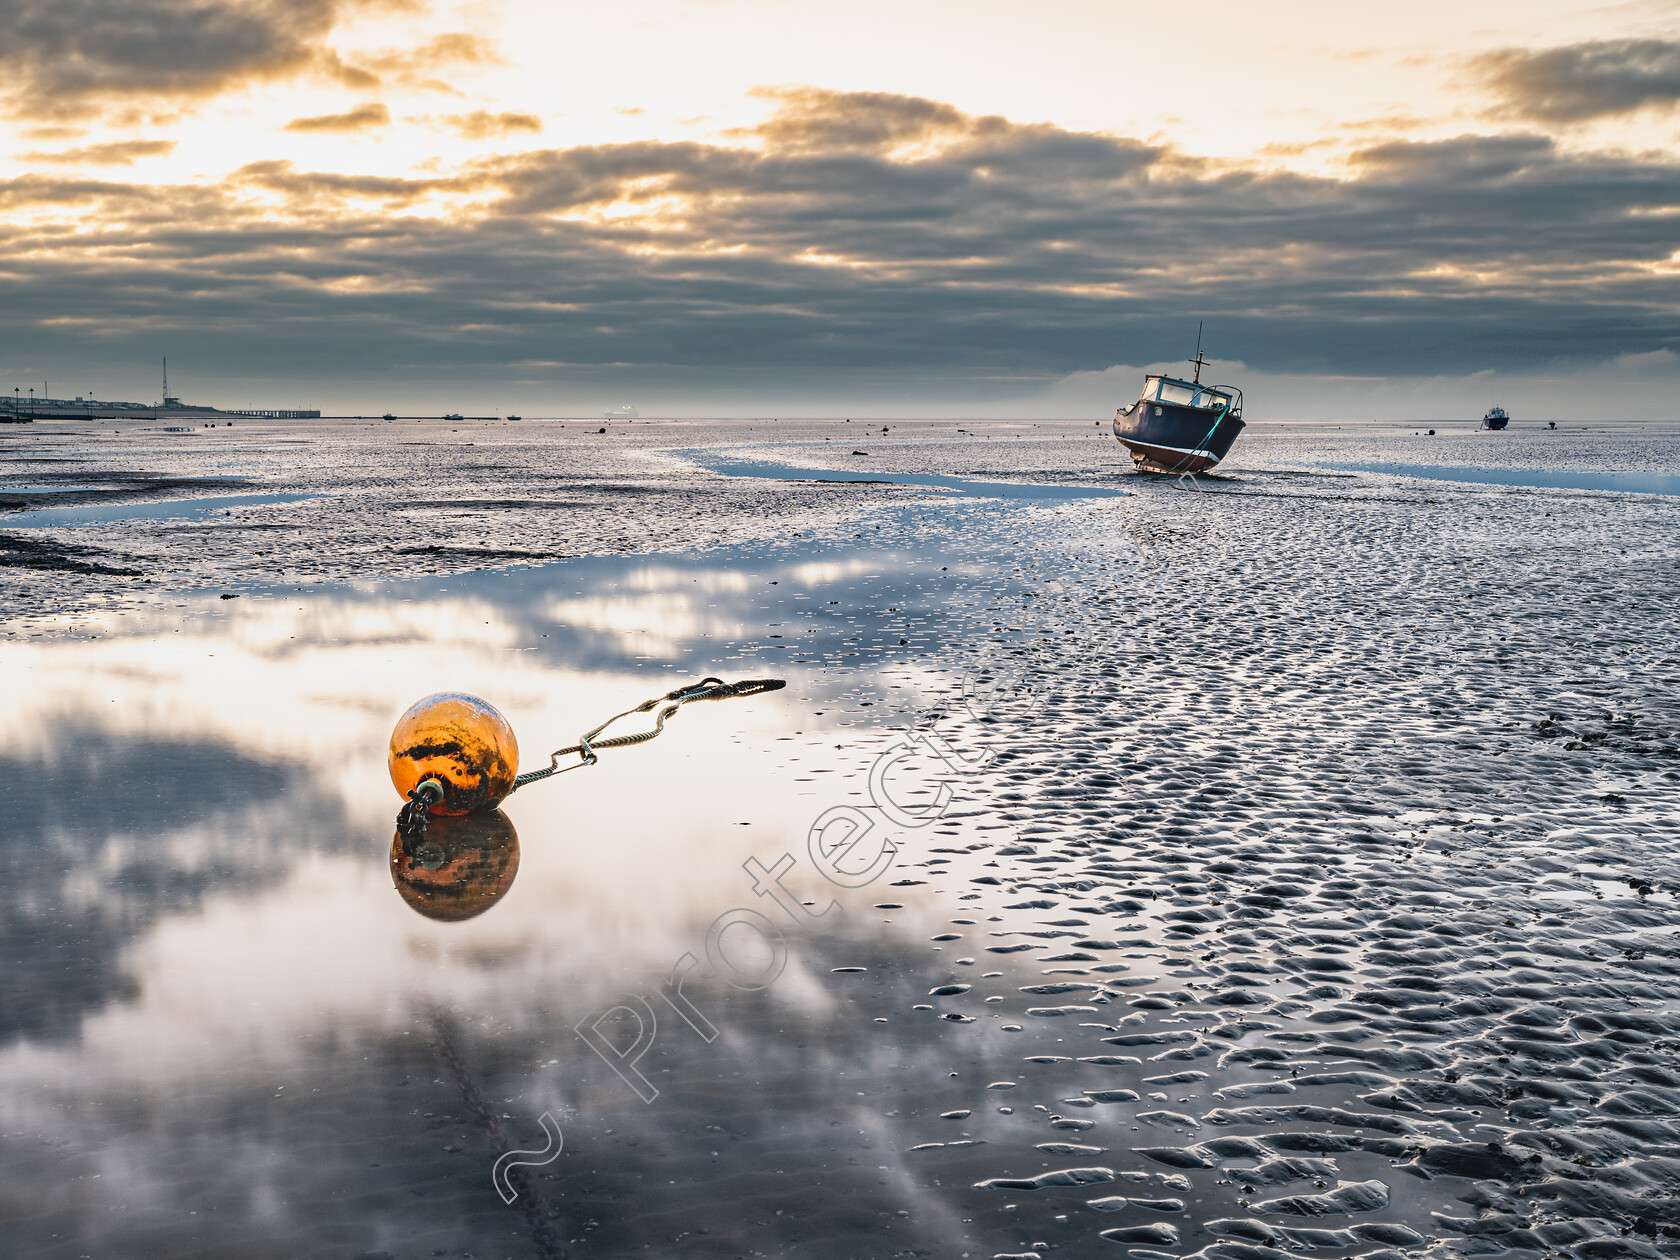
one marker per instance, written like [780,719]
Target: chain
[412,820]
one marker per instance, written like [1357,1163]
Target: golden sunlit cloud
[807,120]
[358,119]
[413,67]
[481,124]
[116,153]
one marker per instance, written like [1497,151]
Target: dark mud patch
[221,527]
[48,555]
[494,505]
[623,487]
[479,553]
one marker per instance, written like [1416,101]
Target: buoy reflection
[459,868]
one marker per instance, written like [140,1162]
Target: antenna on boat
[1198,360]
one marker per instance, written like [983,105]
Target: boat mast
[1198,360]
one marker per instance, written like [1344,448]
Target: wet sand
[1320,893]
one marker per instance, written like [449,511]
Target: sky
[807,207]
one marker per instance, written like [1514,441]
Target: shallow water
[195,509]
[1318,894]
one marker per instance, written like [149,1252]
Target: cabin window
[1215,400]
[1174,393]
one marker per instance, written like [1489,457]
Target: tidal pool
[223,1029]
[195,509]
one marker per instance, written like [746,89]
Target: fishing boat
[1179,426]
[1496,418]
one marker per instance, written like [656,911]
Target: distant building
[15,410]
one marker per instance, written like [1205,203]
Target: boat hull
[1163,437]
[1495,425]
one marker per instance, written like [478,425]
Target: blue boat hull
[1163,437]
[1495,425]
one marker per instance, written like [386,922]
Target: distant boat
[1496,418]
[1179,426]
[516,417]
[453,415]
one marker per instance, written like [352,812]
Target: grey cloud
[41,190]
[359,119]
[61,53]
[311,191]
[72,58]
[1583,81]
[915,245]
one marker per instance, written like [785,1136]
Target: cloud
[116,153]
[415,67]
[482,124]
[64,58]
[307,193]
[812,120]
[451,48]
[359,119]
[1584,81]
[864,237]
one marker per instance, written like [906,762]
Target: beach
[1282,860]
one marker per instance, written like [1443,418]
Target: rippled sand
[1320,894]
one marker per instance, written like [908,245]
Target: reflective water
[223,1031]
[1542,478]
[196,509]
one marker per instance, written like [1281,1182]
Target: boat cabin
[1169,389]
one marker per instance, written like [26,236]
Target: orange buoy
[462,743]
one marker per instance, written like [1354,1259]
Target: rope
[1179,467]
[705,689]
